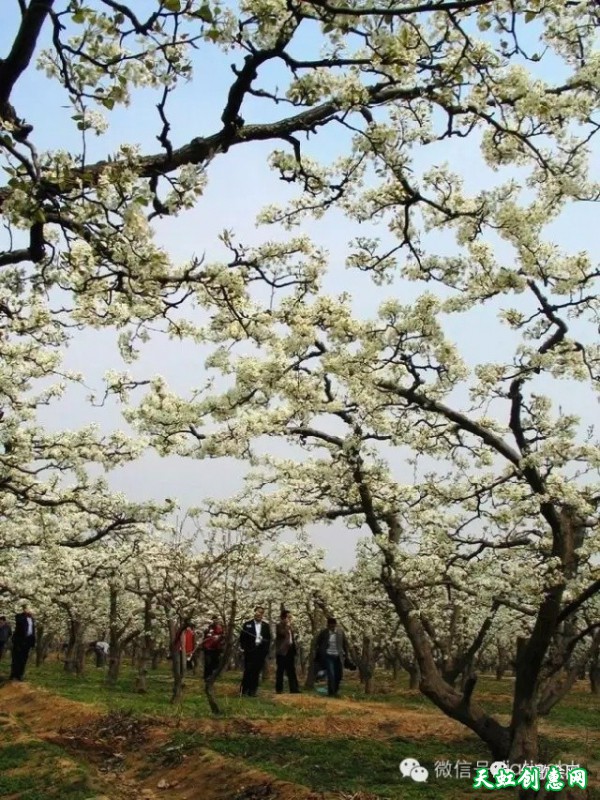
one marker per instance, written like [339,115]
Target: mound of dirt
[43,711]
[122,748]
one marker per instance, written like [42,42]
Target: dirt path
[354,719]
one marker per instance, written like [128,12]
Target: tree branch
[201,150]
[571,607]
[23,47]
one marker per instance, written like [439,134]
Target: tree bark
[145,649]
[80,657]
[209,685]
[42,645]
[75,636]
[366,664]
[177,662]
[594,673]
[414,676]
[114,653]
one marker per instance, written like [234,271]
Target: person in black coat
[22,641]
[255,641]
[331,652]
[285,653]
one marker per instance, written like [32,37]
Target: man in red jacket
[212,646]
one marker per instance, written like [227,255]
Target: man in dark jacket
[285,653]
[5,634]
[22,641]
[331,650]
[255,640]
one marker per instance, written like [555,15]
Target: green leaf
[108,102]
[529,15]
[204,13]
[172,5]
[214,35]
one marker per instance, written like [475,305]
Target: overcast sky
[240,183]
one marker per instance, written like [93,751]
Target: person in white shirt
[255,641]
[101,649]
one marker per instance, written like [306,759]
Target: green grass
[354,765]
[337,764]
[92,688]
[34,770]
[580,709]
[341,765]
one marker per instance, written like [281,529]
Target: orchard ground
[75,739]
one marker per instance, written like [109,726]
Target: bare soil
[124,750]
[119,753]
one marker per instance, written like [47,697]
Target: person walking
[332,648]
[212,646]
[285,653]
[255,640]
[5,634]
[22,641]
[101,650]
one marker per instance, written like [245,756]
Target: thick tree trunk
[302,660]
[594,673]
[524,736]
[177,662]
[42,646]
[414,676]
[71,653]
[145,649]
[80,657]
[366,664]
[266,670]
[455,704]
[311,675]
[114,653]
[114,666]
[502,662]
[209,685]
